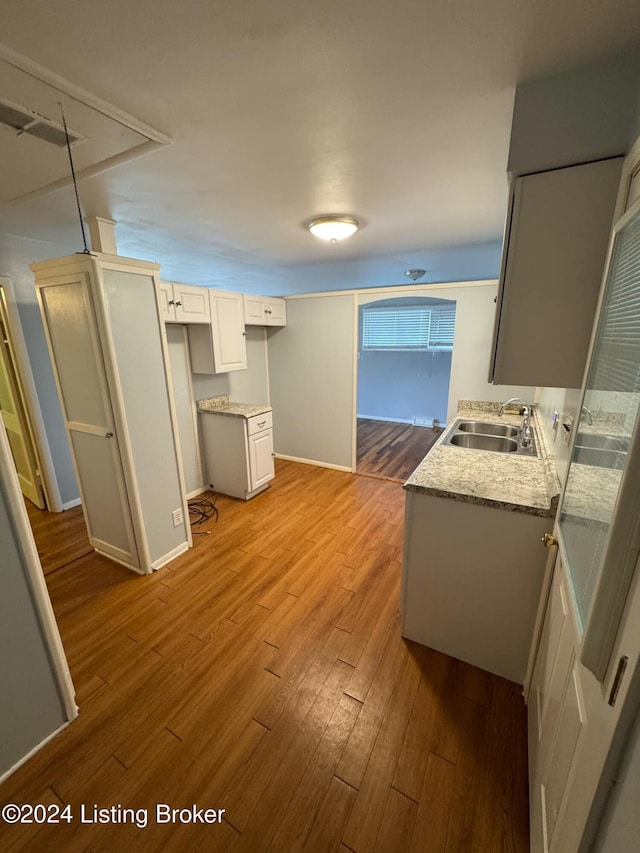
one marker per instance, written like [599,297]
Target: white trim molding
[315,462]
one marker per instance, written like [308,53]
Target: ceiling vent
[23,120]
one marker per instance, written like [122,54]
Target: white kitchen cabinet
[108,350]
[554,251]
[264,311]
[471,581]
[238,453]
[221,345]
[183,303]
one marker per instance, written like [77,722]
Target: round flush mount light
[414,275]
[333,228]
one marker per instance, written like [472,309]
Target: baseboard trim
[197,492]
[384,418]
[158,564]
[346,468]
[71,504]
[32,752]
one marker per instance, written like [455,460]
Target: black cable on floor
[201,510]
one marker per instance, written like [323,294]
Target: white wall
[242,386]
[31,707]
[15,256]
[311,367]
[311,378]
[182,395]
[402,385]
[475,312]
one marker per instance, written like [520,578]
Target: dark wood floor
[392,450]
[263,673]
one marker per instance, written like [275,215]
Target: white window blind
[409,328]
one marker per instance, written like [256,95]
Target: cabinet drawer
[258,423]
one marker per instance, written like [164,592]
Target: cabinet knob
[171,302]
[549,540]
[108,435]
[178,303]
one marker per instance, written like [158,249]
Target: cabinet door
[555,250]
[76,355]
[254,311]
[227,325]
[261,467]
[166,302]
[276,312]
[191,304]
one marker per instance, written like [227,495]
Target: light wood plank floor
[390,450]
[263,673]
[61,537]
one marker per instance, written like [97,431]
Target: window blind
[409,328]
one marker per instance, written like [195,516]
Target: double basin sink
[497,438]
[601,451]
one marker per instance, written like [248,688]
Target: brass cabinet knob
[549,540]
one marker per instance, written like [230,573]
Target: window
[409,328]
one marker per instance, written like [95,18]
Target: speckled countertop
[222,406]
[527,484]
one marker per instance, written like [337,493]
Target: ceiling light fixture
[414,275]
[333,228]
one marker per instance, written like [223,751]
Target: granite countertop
[526,484]
[222,406]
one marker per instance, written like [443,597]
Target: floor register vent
[23,120]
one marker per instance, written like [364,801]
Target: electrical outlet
[177,517]
[425,422]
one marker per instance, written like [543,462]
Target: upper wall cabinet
[554,252]
[264,311]
[183,303]
[221,345]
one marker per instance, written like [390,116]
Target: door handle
[549,540]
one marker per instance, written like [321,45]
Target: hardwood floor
[390,450]
[263,673]
[61,537]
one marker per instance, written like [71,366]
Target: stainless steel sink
[487,429]
[601,441]
[481,435]
[599,458]
[475,441]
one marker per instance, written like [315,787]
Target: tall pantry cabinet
[109,354]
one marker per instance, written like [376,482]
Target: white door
[166,302]
[254,311]
[229,337]
[14,418]
[277,312]
[261,466]
[73,339]
[590,643]
[191,304]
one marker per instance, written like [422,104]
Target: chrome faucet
[589,415]
[527,411]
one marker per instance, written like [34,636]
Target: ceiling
[279,110]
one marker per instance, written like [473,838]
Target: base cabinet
[238,453]
[471,581]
